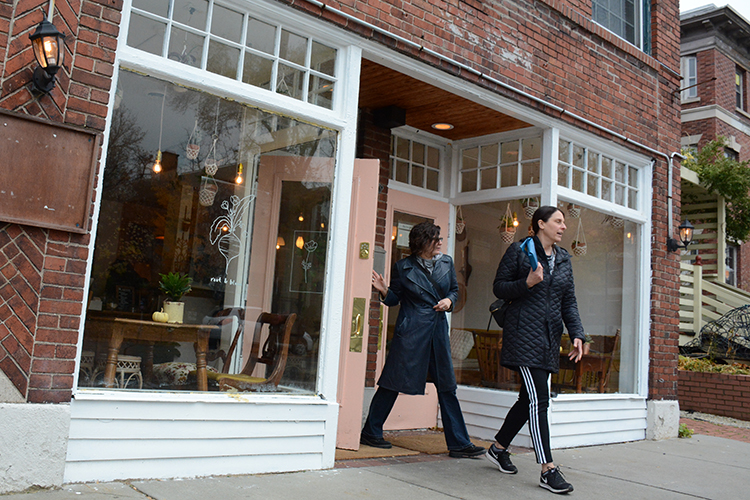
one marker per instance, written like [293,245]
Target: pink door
[404,211]
[359,264]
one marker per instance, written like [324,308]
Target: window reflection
[604,251]
[193,218]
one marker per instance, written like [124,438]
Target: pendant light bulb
[157,164]
[515,220]
[239,178]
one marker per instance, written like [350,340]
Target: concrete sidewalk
[700,467]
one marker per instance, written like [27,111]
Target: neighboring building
[715,61]
[569,103]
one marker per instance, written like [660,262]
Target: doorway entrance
[405,210]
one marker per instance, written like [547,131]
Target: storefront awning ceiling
[426,104]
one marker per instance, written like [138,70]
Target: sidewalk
[704,466]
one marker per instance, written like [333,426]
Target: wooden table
[115,330]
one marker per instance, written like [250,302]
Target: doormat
[405,443]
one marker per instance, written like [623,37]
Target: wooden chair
[273,354]
[594,369]
[488,346]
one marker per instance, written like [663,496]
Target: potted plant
[578,247]
[175,285]
[529,206]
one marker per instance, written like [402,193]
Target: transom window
[415,163]
[587,171]
[225,41]
[501,164]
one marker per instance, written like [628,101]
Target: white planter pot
[174,310]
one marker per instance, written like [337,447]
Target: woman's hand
[535,276]
[577,352]
[379,283]
[443,305]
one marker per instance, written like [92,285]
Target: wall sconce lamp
[686,237]
[49,51]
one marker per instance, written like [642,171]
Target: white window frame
[434,141]
[689,72]
[637,24]
[342,118]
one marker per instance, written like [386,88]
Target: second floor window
[622,17]
[689,77]
[739,84]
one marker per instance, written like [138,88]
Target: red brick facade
[549,49]
[42,272]
[715,393]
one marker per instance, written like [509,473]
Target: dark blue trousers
[456,435]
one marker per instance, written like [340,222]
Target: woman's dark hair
[543,214]
[422,235]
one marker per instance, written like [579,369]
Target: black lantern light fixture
[49,51]
[686,237]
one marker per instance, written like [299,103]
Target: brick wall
[715,393]
[42,272]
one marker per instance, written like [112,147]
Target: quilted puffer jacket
[535,316]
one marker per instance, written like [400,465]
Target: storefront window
[415,163]
[241,206]
[587,171]
[605,256]
[209,35]
[498,165]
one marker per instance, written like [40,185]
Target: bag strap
[518,265]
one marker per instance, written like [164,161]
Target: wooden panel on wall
[46,172]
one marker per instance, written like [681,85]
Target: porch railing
[704,298]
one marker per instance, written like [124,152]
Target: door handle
[356,336]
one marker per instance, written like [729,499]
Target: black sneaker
[501,458]
[375,442]
[471,451]
[554,481]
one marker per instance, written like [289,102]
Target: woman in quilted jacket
[542,300]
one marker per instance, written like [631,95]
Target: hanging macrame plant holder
[193,146]
[207,191]
[529,207]
[460,225]
[579,244]
[210,163]
[507,230]
[617,222]
[574,211]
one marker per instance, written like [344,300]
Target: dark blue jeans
[456,435]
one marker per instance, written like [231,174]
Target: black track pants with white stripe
[531,406]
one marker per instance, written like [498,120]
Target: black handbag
[500,306]
[497,311]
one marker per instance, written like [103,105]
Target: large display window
[235,200]
[605,254]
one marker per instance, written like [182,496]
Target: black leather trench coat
[535,317]
[421,332]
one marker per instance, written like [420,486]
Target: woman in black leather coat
[541,301]
[425,286]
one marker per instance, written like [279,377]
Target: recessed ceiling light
[442,126]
